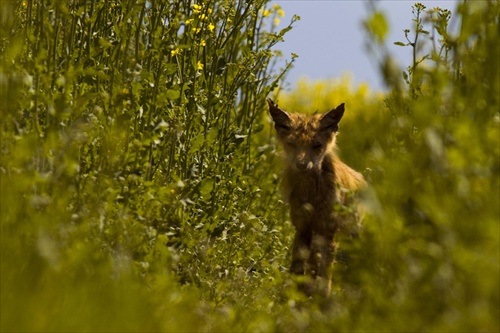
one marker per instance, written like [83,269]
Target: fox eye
[317,146]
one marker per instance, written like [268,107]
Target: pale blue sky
[330,39]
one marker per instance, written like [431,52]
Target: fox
[320,190]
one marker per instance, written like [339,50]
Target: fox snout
[302,165]
[302,161]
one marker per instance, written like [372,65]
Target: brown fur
[316,183]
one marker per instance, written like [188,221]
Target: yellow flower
[195,30]
[281,12]
[276,6]
[211,27]
[276,21]
[266,13]
[174,52]
[199,65]
[203,16]
[203,43]
[189,21]
[196,8]
[24,3]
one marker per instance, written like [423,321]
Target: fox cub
[318,187]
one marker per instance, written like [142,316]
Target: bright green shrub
[130,157]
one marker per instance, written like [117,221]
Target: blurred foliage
[433,236]
[428,258]
[139,173]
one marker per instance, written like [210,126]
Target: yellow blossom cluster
[202,15]
[198,22]
[276,10]
[197,8]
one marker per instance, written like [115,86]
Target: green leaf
[378,26]
[206,187]
[212,136]
[258,128]
[196,143]
[170,69]
[405,76]
[173,94]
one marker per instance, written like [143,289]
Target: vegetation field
[140,174]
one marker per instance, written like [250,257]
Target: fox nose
[303,165]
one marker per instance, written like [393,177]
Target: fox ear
[330,121]
[280,117]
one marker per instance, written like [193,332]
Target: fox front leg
[322,256]
[300,251]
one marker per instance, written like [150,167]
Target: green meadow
[140,173]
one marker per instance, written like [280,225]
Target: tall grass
[129,151]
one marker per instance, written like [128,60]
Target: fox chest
[311,193]
[312,204]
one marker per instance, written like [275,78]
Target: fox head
[306,139]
